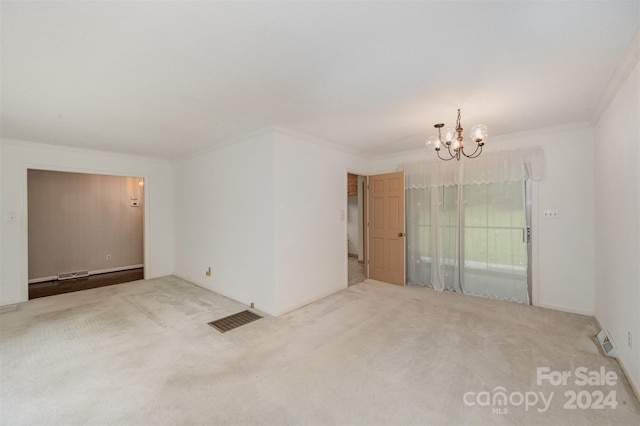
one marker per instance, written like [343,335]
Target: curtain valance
[490,167]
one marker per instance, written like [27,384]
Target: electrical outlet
[108,257]
[550,214]
[629,339]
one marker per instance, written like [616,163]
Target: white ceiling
[165,79]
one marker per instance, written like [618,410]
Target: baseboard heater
[607,344]
[82,274]
[71,275]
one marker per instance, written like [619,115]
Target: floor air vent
[607,344]
[71,275]
[233,321]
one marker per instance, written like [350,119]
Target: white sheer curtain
[465,223]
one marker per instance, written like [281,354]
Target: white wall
[224,219]
[563,272]
[352,224]
[3,219]
[18,156]
[311,254]
[268,214]
[617,209]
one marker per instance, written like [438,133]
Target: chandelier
[453,141]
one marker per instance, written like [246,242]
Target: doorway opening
[356,227]
[84,231]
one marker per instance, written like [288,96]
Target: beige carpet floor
[374,354]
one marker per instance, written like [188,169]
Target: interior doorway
[84,231]
[356,227]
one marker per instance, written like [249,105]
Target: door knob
[400,234]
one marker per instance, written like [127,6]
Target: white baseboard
[100,271]
[566,309]
[268,310]
[118,269]
[309,301]
[634,385]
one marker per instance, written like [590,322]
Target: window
[468,221]
[478,246]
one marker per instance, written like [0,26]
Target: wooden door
[386,228]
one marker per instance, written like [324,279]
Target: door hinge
[526,235]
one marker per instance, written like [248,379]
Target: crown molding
[68,148]
[499,138]
[260,131]
[271,129]
[399,154]
[545,130]
[626,65]
[317,141]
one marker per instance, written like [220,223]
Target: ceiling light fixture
[453,140]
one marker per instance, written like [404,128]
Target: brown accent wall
[76,220]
